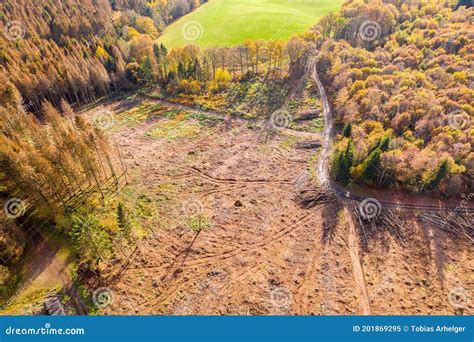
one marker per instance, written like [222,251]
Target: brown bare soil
[425,273]
[263,253]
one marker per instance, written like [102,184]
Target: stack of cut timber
[308,144]
[306,115]
[53,306]
[311,196]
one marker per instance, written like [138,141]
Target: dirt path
[324,178]
[48,266]
[323,162]
[263,253]
[219,115]
[389,198]
[354,248]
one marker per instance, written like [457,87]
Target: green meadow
[231,22]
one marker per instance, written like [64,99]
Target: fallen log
[307,115]
[454,223]
[310,197]
[308,144]
[53,306]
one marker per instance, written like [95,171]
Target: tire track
[225,257]
[359,278]
[301,296]
[254,247]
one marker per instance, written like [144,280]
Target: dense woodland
[53,173]
[54,166]
[78,50]
[407,93]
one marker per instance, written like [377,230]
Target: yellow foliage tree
[101,53]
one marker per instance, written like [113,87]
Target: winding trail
[324,178]
[225,116]
[197,266]
[323,164]
[343,193]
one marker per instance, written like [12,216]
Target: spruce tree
[371,165]
[343,162]
[347,130]
[442,172]
[384,144]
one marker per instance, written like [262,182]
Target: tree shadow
[330,217]
[38,253]
[435,243]
[376,228]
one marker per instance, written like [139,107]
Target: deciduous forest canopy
[407,92]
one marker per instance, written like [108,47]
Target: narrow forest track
[45,268]
[226,164]
[347,197]
[353,244]
[344,194]
[325,180]
[224,116]
[323,163]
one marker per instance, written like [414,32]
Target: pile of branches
[457,224]
[311,196]
[53,306]
[308,144]
[382,219]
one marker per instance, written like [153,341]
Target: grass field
[231,22]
